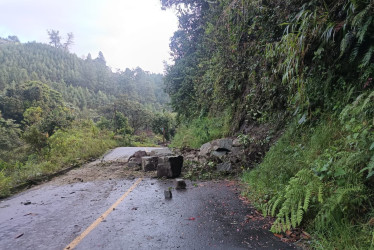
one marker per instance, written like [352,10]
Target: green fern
[342,201]
[297,198]
[367,57]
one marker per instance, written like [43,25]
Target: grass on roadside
[200,131]
[320,177]
[72,146]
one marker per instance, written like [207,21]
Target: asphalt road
[122,154]
[132,214]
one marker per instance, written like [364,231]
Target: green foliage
[35,137]
[18,98]
[10,138]
[244,139]
[83,141]
[72,146]
[344,236]
[198,132]
[320,175]
[265,59]
[270,60]
[49,99]
[164,124]
[121,124]
[4,184]
[138,116]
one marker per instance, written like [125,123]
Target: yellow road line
[76,241]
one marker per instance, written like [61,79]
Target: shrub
[200,131]
[320,175]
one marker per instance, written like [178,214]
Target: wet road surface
[207,215]
[122,154]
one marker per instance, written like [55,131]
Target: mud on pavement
[206,215]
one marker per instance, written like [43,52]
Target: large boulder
[236,143]
[224,144]
[149,163]
[169,166]
[136,158]
[205,149]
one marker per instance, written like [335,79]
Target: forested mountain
[304,69]
[58,110]
[85,83]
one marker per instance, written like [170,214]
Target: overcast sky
[130,33]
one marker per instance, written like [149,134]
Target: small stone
[168,194]
[180,184]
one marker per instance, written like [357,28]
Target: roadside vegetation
[198,131]
[300,68]
[319,176]
[58,110]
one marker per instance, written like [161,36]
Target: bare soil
[98,170]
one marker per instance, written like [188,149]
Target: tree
[9,138]
[69,41]
[54,38]
[121,124]
[163,124]
[89,57]
[13,39]
[100,58]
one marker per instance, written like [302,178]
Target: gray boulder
[237,151]
[169,166]
[205,149]
[149,163]
[136,158]
[218,154]
[236,143]
[224,144]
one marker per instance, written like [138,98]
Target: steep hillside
[302,67]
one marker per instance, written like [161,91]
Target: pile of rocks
[161,160]
[226,153]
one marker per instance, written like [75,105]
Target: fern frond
[288,222]
[320,194]
[354,53]
[300,213]
[367,57]
[296,199]
[308,194]
[345,43]
[294,217]
[362,31]
[274,207]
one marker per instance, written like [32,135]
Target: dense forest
[301,72]
[57,109]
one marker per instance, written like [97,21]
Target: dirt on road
[99,171]
[125,208]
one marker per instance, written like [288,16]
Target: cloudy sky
[130,33]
